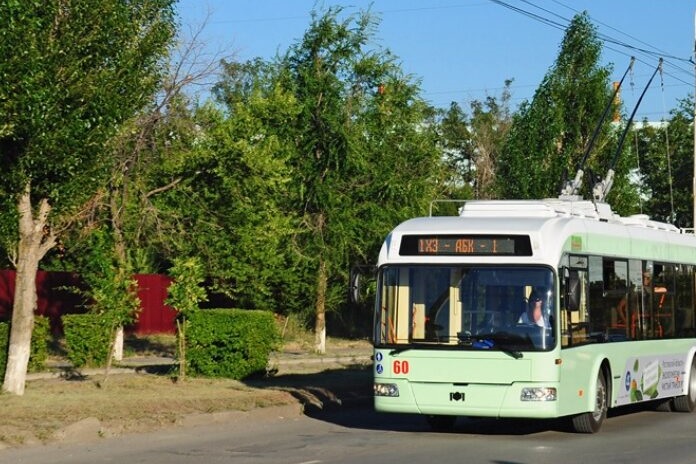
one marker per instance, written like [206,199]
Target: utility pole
[693,187]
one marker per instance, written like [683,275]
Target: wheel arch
[602,365]
[605,367]
[687,368]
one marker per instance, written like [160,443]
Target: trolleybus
[455,334]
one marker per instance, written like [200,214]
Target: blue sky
[462,50]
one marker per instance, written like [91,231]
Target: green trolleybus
[534,309]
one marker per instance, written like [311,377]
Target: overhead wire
[662,53]
[651,52]
[559,22]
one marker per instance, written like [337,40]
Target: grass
[123,403]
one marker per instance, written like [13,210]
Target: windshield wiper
[513,353]
[399,350]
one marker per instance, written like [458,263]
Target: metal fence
[56,297]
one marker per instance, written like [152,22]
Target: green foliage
[39,345]
[472,145]
[230,343]
[69,77]
[364,156]
[666,157]
[87,339]
[111,290]
[230,214]
[4,346]
[186,292]
[40,338]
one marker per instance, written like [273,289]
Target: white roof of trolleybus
[550,224]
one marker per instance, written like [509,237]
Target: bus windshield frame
[457,306]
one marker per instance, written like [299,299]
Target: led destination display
[483,245]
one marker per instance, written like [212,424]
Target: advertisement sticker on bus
[651,377]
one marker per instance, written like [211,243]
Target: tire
[687,403]
[590,422]
[441,423]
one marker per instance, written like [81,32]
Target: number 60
[400,367]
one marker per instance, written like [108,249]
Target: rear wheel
[590,422]
[441,423]
[687,403]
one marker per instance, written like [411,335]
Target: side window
[608,299]
[684,302]
[663,307]
[659,292]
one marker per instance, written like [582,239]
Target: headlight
[386,389]
[538,394]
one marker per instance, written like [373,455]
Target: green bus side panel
[639,371]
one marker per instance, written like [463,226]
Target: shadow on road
[344,397]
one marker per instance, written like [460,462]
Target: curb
[282,363]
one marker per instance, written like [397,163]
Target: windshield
[501,307]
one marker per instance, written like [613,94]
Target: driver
[534,314]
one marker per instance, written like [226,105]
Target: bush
[40,338]
[230,343]
[87,339]
[39,345]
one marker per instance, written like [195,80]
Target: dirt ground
[81,407]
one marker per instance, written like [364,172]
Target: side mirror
[357,273]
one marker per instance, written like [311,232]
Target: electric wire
[604,37]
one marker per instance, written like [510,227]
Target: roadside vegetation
[65,404]
[291,170]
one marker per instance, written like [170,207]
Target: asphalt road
[351,434]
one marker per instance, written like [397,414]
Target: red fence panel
[155,316]
[54,296]
[56,299]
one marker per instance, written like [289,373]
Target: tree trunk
[35,239]
[320,307]
[117,352]
[119,249]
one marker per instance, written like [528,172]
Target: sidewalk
[291,360]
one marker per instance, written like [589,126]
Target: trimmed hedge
[87,339]
[230,343]
[39,345]
[40,338]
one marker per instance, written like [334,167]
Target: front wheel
[590,422]
[687,403]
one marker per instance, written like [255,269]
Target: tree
[229,213]
[548,136]
[490,123]
[364,156]
[72,72]
[471,145]
[456,142]
[152,154]
[666,166]
[185,295]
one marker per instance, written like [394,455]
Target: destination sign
[482,245]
